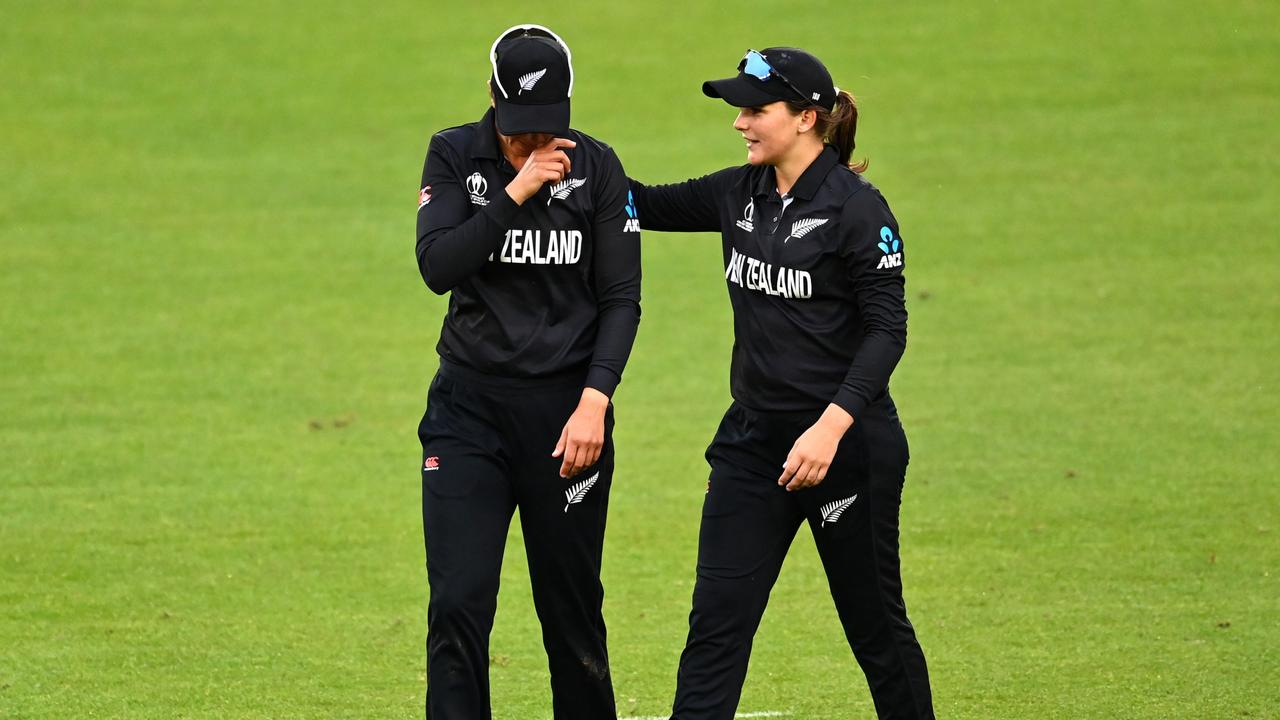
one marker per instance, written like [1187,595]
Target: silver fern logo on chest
[562,189]
[527,81]
[800,228]
[578,491]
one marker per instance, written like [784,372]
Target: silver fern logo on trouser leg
[578,491]
[832,511]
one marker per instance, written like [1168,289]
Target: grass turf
[216,347]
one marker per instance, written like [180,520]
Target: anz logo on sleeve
[891,246]
[633,216]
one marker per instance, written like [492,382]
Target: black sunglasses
[757,66]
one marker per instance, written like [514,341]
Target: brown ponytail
[838,127]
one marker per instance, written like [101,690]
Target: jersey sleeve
[452,243]
[873,252]
[615,276]
[688,206]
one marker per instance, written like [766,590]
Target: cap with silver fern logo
[532,81]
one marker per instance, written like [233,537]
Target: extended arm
[688,206]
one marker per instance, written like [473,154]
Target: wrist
[514,193]
[593,398]
[836,420]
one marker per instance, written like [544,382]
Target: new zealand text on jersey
[526,247]
[754,274]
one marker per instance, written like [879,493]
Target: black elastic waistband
[573,378]
[881,408]
[779,417]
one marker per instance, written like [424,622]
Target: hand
[548,163]
[582,438]
[813,451]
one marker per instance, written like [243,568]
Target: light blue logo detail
[888,243]
[631,206]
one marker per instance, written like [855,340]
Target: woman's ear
[808,118]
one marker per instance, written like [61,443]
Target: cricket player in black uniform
[814,261]
[529,226]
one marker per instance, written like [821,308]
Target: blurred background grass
[215,348]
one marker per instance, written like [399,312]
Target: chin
[755,157]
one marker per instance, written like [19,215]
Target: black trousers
[486,445]
[748,523]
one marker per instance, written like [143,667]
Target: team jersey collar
[810,180]
[485,144]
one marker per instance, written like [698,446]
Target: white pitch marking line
[758,714]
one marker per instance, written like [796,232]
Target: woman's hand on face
[814,450]
[582,438]
[548,163]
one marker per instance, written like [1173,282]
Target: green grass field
[215,349]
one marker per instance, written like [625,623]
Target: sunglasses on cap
[757,66]
[527,31]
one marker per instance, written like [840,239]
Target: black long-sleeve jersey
[815,280]
[539,289]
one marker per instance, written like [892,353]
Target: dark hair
[837,126]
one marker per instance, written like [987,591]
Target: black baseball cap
[779,73]
[532,81]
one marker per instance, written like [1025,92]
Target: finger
[560,443]
[812,478]
[593,454]
[801,479]
[566,466]
[569,467]
[548,156]
[551,169]
[788,470]
[570,450]
[560,157]
[557,143]
[547,176]
[584,459]
[551,155]
[557,160]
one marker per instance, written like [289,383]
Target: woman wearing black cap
[529,227]
[814,263]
